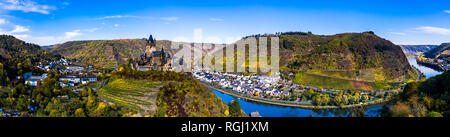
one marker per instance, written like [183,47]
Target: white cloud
[117,17]
[116,25]
[65,3]
[169,18]
[434,30]
[72,34]
[215,19]
[48,40]
[3,21]
[398,33]
[23,36]
[447,11]
[25,6]
[91,30]
[19,29]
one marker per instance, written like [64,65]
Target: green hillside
[441,52]
[101,54]
[435,52]
[105,53]
[349,56]
[18,57]
[429,98]
[164,94]
[373,58]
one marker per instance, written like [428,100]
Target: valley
[326,72]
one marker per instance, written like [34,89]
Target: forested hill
[105,53]
[435,52]
[429,98]
[17,57]
[413,49]
[348,51]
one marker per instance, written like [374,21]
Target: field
[137,95]
[327,82]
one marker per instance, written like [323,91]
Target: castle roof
[151,39]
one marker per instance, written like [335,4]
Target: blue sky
[48,22]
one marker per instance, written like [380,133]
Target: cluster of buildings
[53,64]
[444,64]
[70,80]
[65,81]
[64,66]
[33,80]
[258,85]
[438,63]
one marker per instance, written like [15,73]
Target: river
[428,72]
[267,110]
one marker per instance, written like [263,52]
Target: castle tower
[150,46]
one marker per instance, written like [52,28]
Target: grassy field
[320,81]
[133,94]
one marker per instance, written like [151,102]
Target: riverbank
[425,70]
[287,103]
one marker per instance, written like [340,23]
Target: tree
[227,113]
[91,102]
[428,102]
[400,110]
[325,99]
[316,99]
[311,91]
[434,114]
[354,100]
[80,113]
[234,108]
[410,90]
[22,104]
[365,98]
[293,97]
[337,100]
[10,101]
[418,109]
[84,92]
[345,100]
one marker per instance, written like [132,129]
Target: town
[75,75]
[275,89]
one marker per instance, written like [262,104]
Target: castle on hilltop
[154,59]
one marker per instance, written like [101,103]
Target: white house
[33,80]
[87,80]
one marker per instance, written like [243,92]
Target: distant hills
[413,49]
[442,51]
